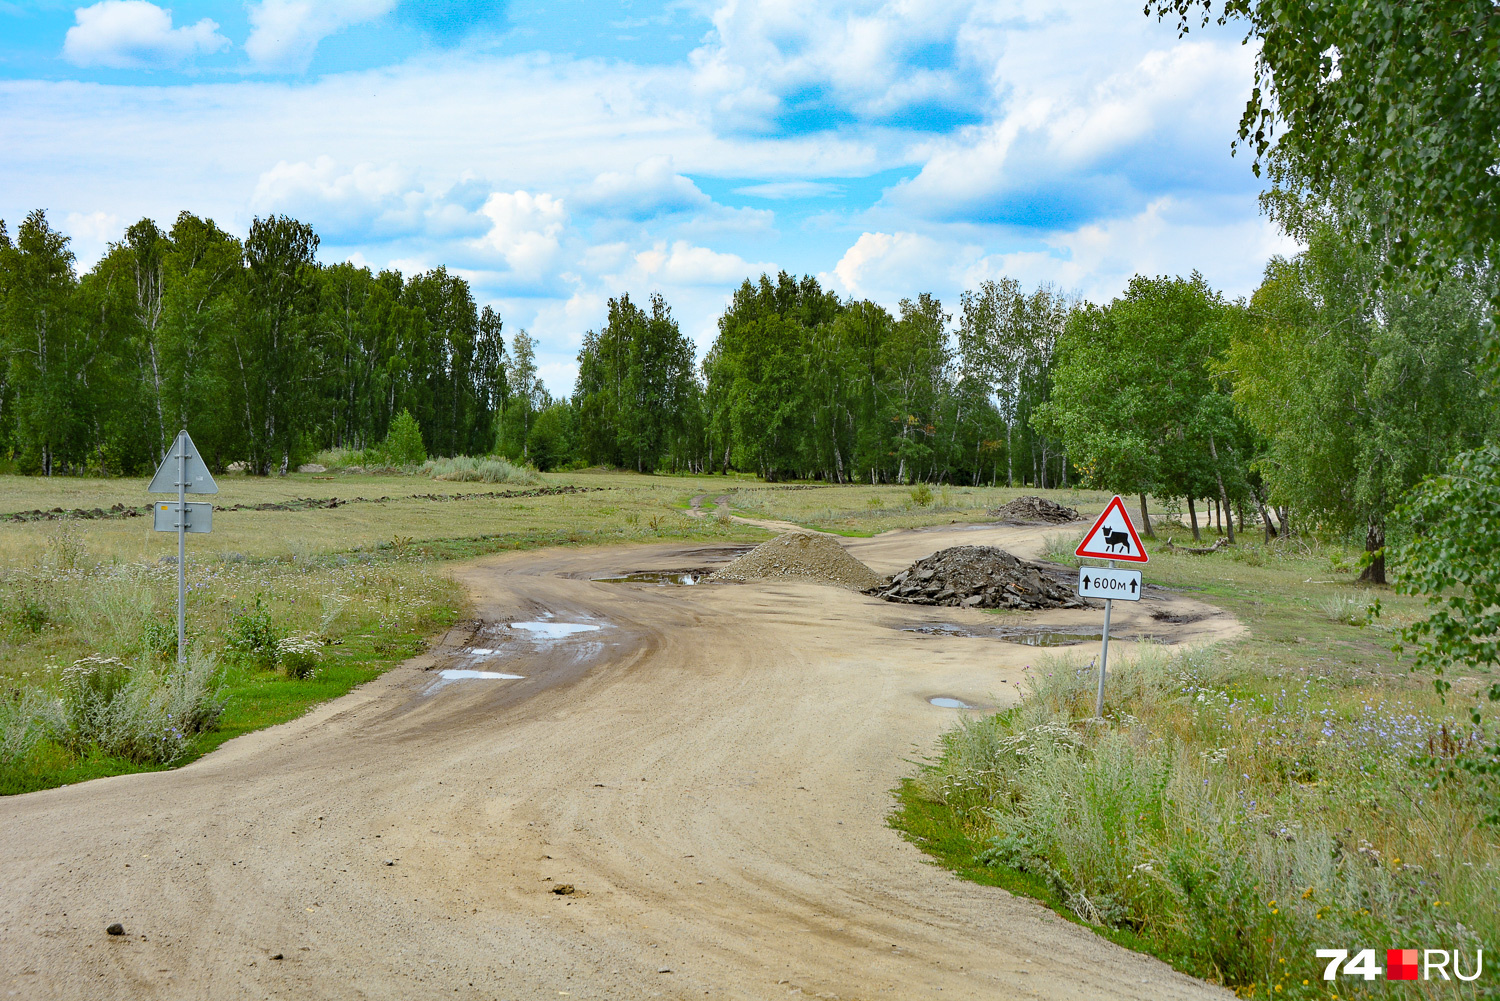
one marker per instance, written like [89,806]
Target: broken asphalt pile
[977,577]
[1034,510]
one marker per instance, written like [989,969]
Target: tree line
[1322,398]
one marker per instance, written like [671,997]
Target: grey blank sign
[200,516]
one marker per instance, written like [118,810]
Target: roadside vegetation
[1241,806]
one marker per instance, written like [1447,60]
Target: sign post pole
[1112,537]
[182,472]
[182,485]
[1109,604]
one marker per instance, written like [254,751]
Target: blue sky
[557,154]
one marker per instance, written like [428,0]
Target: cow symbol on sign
[1113,539]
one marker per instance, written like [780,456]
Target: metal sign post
[1109,604]
[182,472]
[1111,537]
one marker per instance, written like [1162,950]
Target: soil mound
[1032,510]
[977,577]
[799,556]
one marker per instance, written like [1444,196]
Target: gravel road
[708,768]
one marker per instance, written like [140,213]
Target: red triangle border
[1130,527]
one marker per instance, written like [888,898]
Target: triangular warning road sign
[199,480]
[1113,537]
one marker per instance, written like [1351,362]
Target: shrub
[403,443]
[138,714]
[1348,607]
[921,495]
[252,635]
[299,656]
[483,470]
[27,717]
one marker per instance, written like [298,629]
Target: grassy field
[87,595]
[1245,805]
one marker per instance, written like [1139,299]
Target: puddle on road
[944,702]
[657,578]
[1047,637]
[455,674]
[1026,636]
[553,630]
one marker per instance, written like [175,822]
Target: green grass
[1311,719]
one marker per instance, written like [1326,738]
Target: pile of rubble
[800,556]
[1035,510]
[978,577]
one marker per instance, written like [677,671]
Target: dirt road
[709,768]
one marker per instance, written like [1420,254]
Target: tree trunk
[1146,519]
[1375,544]
[1226,512]
[1265,515]
[1193,516]
[1283,520]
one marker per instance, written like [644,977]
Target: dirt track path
[710,769]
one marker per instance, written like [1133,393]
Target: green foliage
[252,635]
[636,394]
[921,495]
[1451,559]
[403,443]
[1358,390]
[1381,116]
[1133,400]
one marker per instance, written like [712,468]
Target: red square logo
[1401,964]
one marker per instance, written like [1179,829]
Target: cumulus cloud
[685,264]
[284,33]
[135,34]
[525,230]
[363,202]
[1064,153]
[889,267]
[808,66]
[652,189]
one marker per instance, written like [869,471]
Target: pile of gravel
[977,577]
[1033,510]
[800,556]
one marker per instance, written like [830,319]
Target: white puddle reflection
[456,674]
[553,630]
[947,703]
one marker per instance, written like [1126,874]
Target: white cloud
[652,189]
[889,267]
[361,203]
[685,264]
[134,34]
[284,33]
[525,231]
[775,57]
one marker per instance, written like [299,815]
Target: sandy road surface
[709,768]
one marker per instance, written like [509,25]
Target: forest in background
[1320,400]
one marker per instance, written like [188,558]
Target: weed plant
[1229,822]
[93,688]
[482,470]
